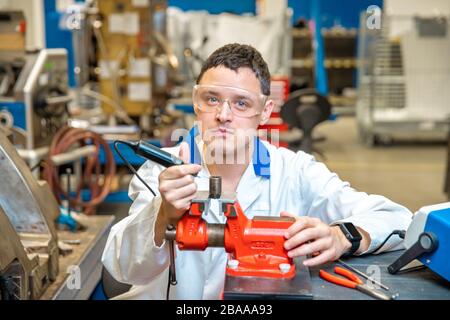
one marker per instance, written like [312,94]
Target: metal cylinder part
[216,235]
[215,187]
[171,233]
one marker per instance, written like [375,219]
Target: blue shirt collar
[261,156]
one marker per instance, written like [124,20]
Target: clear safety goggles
[242,103]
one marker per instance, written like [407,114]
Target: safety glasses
[242,103]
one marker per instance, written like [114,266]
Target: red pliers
[352,282]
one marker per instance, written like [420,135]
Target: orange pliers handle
[352,280]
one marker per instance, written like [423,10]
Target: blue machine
[427,241]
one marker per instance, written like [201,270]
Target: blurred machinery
[339,62]
[403,78]
[196,34]
[134,58]
[33,86]
[28,240]
[79,18]
[302,62]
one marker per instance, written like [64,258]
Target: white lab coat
[297,184]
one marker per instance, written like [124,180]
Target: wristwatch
[352,234]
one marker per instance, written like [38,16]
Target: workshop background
[362,85]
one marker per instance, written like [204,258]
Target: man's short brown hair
[234,56]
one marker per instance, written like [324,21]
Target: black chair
[305,109]
[111,287]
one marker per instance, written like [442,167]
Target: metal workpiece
[215,187]
[215,191]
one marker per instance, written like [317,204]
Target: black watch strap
[352,234]
[354,248]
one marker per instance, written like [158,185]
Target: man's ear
[267,111]
[196,111]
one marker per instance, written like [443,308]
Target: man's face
[225,133]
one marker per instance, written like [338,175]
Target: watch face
[352,231]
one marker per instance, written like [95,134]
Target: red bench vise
[256,246]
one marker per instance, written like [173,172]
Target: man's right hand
[177,189]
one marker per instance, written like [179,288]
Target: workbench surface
[86,256]
[420,284]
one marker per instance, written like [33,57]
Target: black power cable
[401,234]
[132,169]
[132,146]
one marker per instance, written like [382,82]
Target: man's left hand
[311,236]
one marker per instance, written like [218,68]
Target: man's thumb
[185,154]
[287,214]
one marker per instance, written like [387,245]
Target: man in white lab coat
[231,101]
